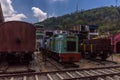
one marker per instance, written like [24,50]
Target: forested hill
[107,18]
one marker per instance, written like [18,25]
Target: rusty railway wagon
[96,48]
[17,41]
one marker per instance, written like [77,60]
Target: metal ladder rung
[79,73]
[48,75]
[59,76]
[69,74]
[36,77]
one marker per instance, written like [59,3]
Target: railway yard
[48,69]
[52,65]
[58,57]
[28,53]
[33,52]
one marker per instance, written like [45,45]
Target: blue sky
[38,10]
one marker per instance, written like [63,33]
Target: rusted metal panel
[94,45]
[16,36]
[98,41]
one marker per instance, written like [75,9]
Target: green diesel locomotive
[63,48]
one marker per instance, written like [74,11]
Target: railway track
[98,62]
[102,73]
[5,68]
[62,66]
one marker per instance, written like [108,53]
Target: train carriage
[17,41]
[96,48]
[64,48]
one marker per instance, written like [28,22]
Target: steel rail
[89,73]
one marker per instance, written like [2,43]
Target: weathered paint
[17,36]
[59,47]
[67,57]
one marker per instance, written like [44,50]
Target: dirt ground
[115,58]
[91,64]
[83,63]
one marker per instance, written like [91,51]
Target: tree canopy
[107,18]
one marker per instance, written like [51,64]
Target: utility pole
[77,6]
[116,2]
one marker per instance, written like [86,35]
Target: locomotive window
[71,46]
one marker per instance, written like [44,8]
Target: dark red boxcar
[17,36]
[95,48]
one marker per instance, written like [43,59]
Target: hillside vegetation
[107,18]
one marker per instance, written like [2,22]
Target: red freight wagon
[17,37]
[95,48]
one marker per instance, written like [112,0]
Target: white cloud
[17,17]
[9,12]
[38,13]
